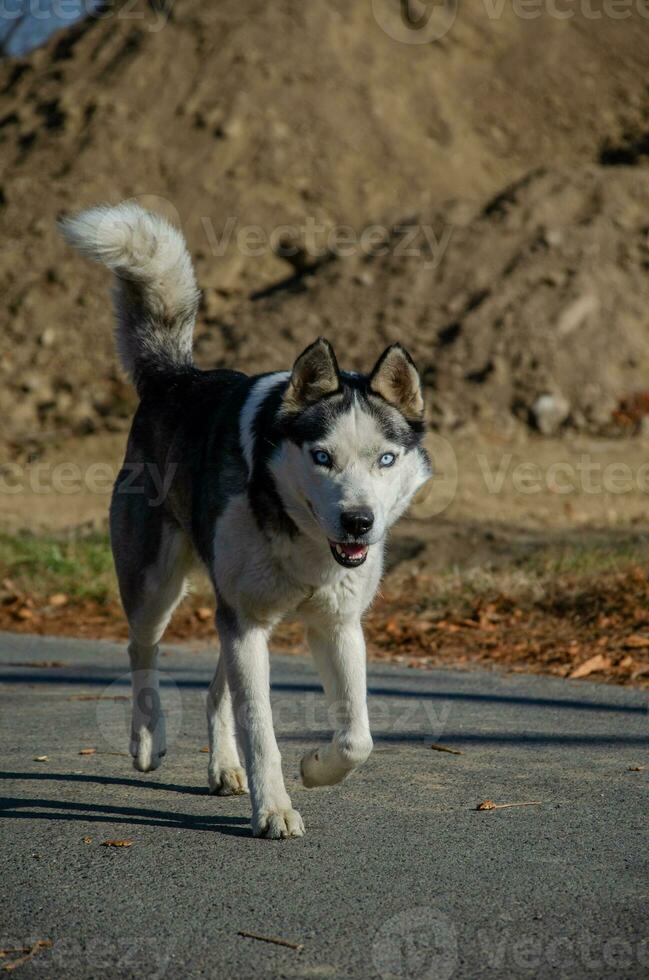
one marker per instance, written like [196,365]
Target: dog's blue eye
[321,458]
[387,459]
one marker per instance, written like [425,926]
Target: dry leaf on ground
[58,599]
[125,842]
[636,642]
[41,758]
[590,666]
[87,751]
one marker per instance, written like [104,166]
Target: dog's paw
[228,782]
[278,824]
[148,749]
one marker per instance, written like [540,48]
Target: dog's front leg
[245,648]
[338,649]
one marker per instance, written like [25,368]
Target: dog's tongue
[353,550]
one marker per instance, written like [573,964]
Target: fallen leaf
[205,748]
[23,613]
[486,805]
[87,751]
[87,840]
[126,842]
[445,748]
[41,758]
[442,624]
[636,642]
[637,768]
[591,666]
[470,624]
[58,599]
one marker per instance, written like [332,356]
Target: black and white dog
[283,485]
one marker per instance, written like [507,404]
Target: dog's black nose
[357,522]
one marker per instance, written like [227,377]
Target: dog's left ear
[315,374]
[395,379]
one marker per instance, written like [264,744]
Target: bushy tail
[155,292]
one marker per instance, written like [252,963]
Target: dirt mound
[238,115]
[538,305]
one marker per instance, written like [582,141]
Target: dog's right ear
[315,374]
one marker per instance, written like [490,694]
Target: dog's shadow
[35,808]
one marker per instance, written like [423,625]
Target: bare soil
[512,147]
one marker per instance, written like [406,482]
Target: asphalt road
[398,876]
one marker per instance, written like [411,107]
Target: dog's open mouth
[349,555]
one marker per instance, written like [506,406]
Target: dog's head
[351,458]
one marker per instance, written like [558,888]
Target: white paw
[278,824]
[148,748]
[228,782]
[316,772]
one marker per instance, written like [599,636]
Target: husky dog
[282,485]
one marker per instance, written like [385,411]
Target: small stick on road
[271,939]
[490,805]
[445,748]
[29,951]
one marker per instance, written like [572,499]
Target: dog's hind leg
[338,649]
[226,775]
[152,559]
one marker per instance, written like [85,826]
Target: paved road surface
[398,876]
